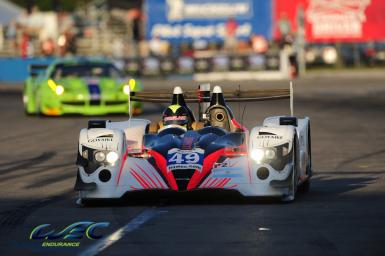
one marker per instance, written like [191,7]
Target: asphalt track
[343,214]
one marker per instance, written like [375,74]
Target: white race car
[180,153]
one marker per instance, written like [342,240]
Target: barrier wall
[188,20]
[15,70]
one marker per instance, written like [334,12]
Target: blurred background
[336,48]
[226,39]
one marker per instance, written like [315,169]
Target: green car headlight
[126,89]
[59,90]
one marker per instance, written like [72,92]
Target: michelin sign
[177,20]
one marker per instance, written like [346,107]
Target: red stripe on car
[140,179]
[121,167]
[207,167]
[162,164]
[148,176]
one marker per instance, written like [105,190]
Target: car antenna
[239,103]
[239,106]
[243,113]
[204,98]
[291,99]
[129,105]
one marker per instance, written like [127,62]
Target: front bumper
[272,183]
[276,184]
[88,109]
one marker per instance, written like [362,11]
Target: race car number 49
[183,159]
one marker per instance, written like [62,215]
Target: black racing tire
[309,166]
[87,202]
[96,202]
[92,202]
[294,175]
[305,186]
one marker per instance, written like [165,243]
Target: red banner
[332,20]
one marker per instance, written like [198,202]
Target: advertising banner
[334,20]
[188,20]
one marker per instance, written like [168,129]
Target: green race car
[79,86]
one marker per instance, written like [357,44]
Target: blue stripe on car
[94,91]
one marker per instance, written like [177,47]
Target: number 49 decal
[184,158]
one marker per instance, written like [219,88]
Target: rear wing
[37,69]
[230,96]
[203,96]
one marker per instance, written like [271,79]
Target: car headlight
[85,154]
[257,154]
[126,89]
[112,157]
[59,90]
[269,153]
[100,156]
[260,154]
[277,156]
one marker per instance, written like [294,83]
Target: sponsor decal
[226,170]
[270,137]
[337,18]
[184,159]
[178,10]
[221,165]
[180,20]
[190,30]
[100,139]
[334,20]
[74,231]
[175,118]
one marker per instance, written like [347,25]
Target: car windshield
[85,70]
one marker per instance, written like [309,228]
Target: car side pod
[80,185]
[274,146]
[282,183]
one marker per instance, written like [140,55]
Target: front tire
[28,102]
[87,202]
[305,186]
[290,197]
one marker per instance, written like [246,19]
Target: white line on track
[135,223]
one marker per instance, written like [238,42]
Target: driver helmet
[177,115]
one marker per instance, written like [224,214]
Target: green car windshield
[85,70]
